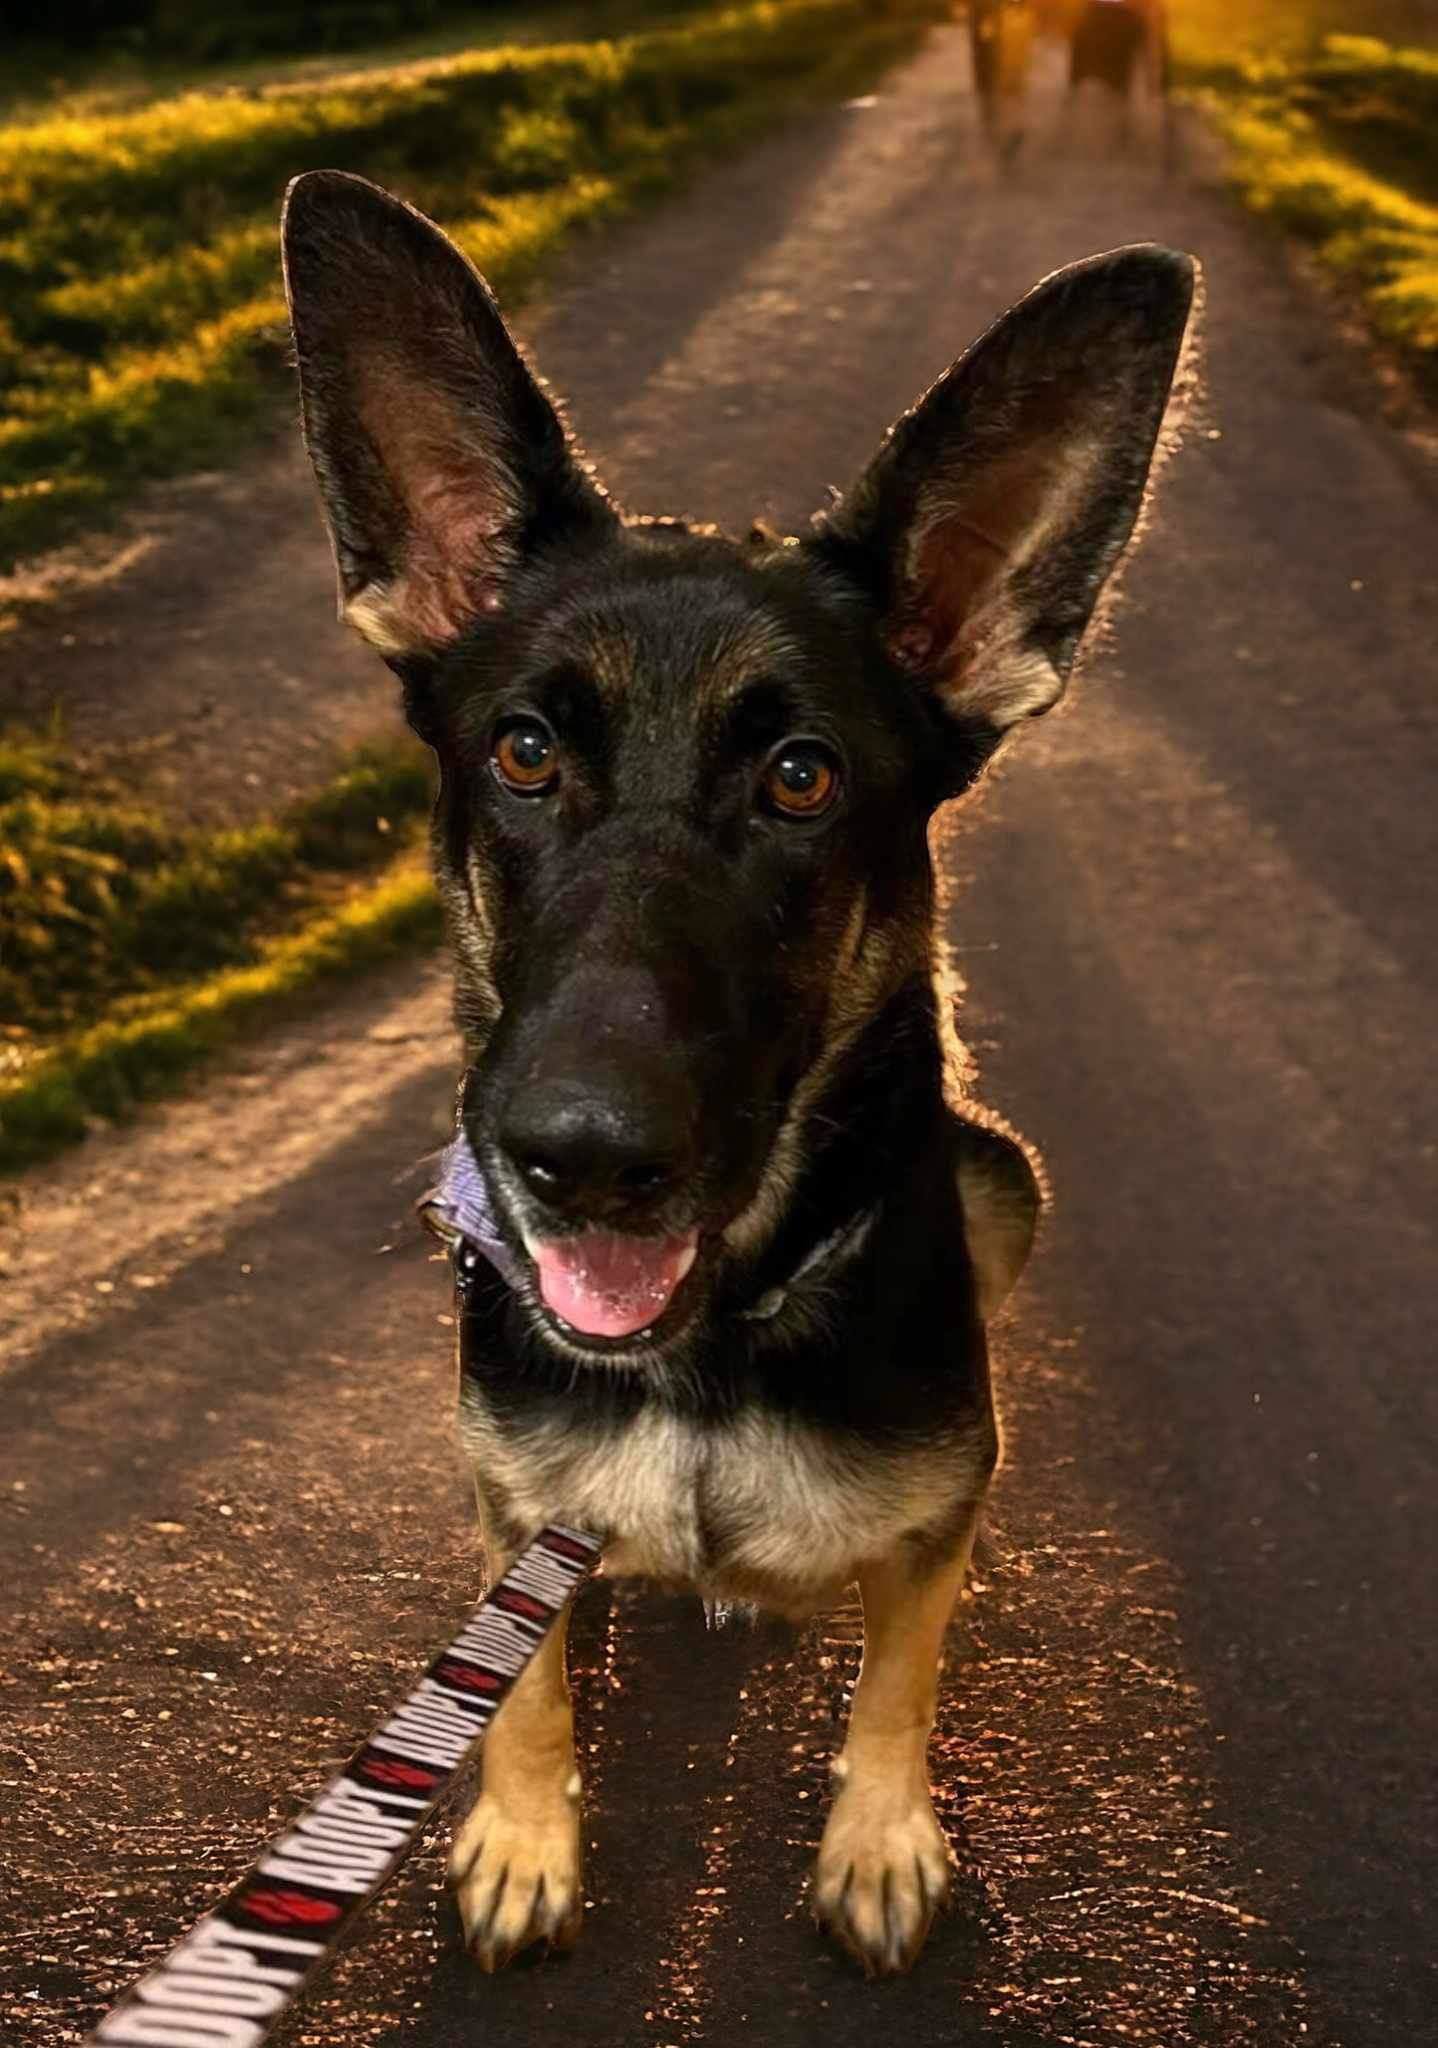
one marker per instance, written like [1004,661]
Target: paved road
[1187,1743]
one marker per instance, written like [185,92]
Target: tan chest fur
[761,1508]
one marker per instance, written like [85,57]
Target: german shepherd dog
[685,781]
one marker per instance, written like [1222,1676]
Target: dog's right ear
[989,521]
[440,460]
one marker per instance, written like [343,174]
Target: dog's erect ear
[989,520]
[439,458]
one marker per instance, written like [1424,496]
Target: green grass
[149,1046]
[1218,34]
[102,903]
[130,951]
[219,48]
[141,324]
[1334,138]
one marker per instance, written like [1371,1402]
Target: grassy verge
[101,901]
[147,1047]
[1335,139]
[237,44]
[173,941]
[141,324]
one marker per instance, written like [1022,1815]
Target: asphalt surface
[1186,1746]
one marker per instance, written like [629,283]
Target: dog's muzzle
[460,1211]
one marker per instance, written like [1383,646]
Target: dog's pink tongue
[607,1285]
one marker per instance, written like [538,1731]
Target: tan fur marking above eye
[748,654]
[612,656]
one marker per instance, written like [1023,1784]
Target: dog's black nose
[594,1155]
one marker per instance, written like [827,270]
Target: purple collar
[460,1208]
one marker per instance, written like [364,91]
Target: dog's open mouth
[606,1284]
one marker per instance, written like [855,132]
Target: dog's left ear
[989,521]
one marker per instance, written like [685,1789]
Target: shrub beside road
[1333,137]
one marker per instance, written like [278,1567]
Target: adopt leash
[233,1976]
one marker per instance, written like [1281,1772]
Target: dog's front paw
[517,1876]
[883,1872]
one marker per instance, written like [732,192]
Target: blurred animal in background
[1001,40]
[1115,44]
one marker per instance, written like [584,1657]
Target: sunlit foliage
[144,1046]
[174,936]
[1335,138]
[1223,33]
[100,898]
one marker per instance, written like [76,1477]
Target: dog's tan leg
[515,1861]
[884,1868]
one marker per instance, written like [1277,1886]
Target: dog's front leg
[515,1861]
[884,1868]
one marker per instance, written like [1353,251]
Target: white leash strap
[232,1978]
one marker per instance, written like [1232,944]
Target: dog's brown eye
[525,757]
[801,779]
